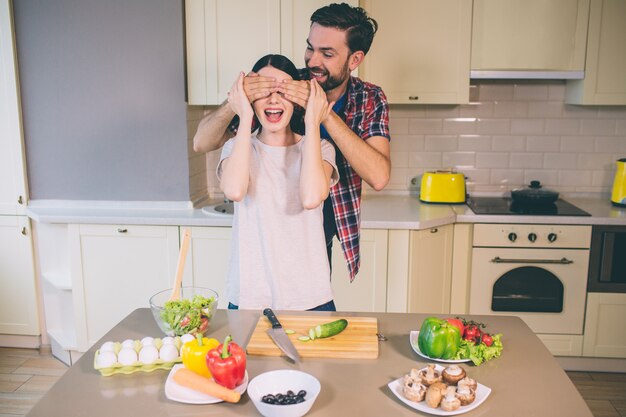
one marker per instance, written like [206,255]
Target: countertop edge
[391,212]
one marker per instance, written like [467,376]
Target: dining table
[525,380]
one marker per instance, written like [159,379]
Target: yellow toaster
[443,187]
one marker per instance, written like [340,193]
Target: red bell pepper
[227,363]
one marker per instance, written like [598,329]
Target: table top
[525,381]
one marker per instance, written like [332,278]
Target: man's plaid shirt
[367,114]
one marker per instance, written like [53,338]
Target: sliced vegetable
[190,379]
[289,331]
[328,329]
[304,338]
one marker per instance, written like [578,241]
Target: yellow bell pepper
[194,354]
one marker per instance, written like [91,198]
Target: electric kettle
[618,197]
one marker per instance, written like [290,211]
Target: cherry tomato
[471,333]
[487,339]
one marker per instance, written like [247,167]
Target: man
[358,127]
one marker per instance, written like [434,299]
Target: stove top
[506,206]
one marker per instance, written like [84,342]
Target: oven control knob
[552,237]
[512,237]
[532,237]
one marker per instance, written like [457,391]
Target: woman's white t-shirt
[278,249]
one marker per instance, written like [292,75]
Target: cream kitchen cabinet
[430,270]
[208,258]
[419,276]
[13,184]
[605,66]
[18,299]
[548,37]
[115,269]
[19,314]
[368,291]
[605,333]
[225,37]
[421,52]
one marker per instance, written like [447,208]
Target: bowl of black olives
[283,393]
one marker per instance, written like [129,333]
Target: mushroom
[413,389]
[429,375]
[470,382]
[465,393]
[450,402]
[435,393]
[453,374]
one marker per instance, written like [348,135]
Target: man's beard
[333,82]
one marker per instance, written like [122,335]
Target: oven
[536,272]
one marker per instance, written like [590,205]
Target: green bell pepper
[438,338]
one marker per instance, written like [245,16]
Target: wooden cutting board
[357,341]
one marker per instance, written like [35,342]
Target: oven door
[544,287]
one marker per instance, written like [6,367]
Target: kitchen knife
[278,335]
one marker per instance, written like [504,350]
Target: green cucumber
[304,338]
[327,330]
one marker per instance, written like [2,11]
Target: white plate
[482,392]
[176,392]
[413,340]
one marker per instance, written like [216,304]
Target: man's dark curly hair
[359,27]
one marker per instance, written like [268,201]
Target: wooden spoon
[180,267]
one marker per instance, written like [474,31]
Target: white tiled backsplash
[510,133]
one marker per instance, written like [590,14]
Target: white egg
[148,354]
[106,359]
[167,340]
[127,356]
[147,341]
[108,347]
[128,343]
[168,353]
[186,338]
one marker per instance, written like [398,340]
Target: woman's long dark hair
[285,65]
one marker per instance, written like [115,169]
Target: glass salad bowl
[190,314]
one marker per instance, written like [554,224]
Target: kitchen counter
[525,381]
[380,211]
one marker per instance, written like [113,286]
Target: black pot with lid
[534,194]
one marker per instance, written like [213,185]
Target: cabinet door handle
[20,200]
[121,230]
[24,231]
[434,230]
[562,261]
[414,97]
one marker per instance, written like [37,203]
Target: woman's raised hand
[318,108]
[238,100]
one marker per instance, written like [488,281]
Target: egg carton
[118,368]
[138,366]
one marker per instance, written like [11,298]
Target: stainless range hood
[526,75]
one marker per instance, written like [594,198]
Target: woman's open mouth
[273,115]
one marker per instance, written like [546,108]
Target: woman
[278,179]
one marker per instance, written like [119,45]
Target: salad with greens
[188,316]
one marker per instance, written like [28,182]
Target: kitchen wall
[511,132]
[103,99]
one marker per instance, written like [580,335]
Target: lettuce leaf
[480,353]
[175,312]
